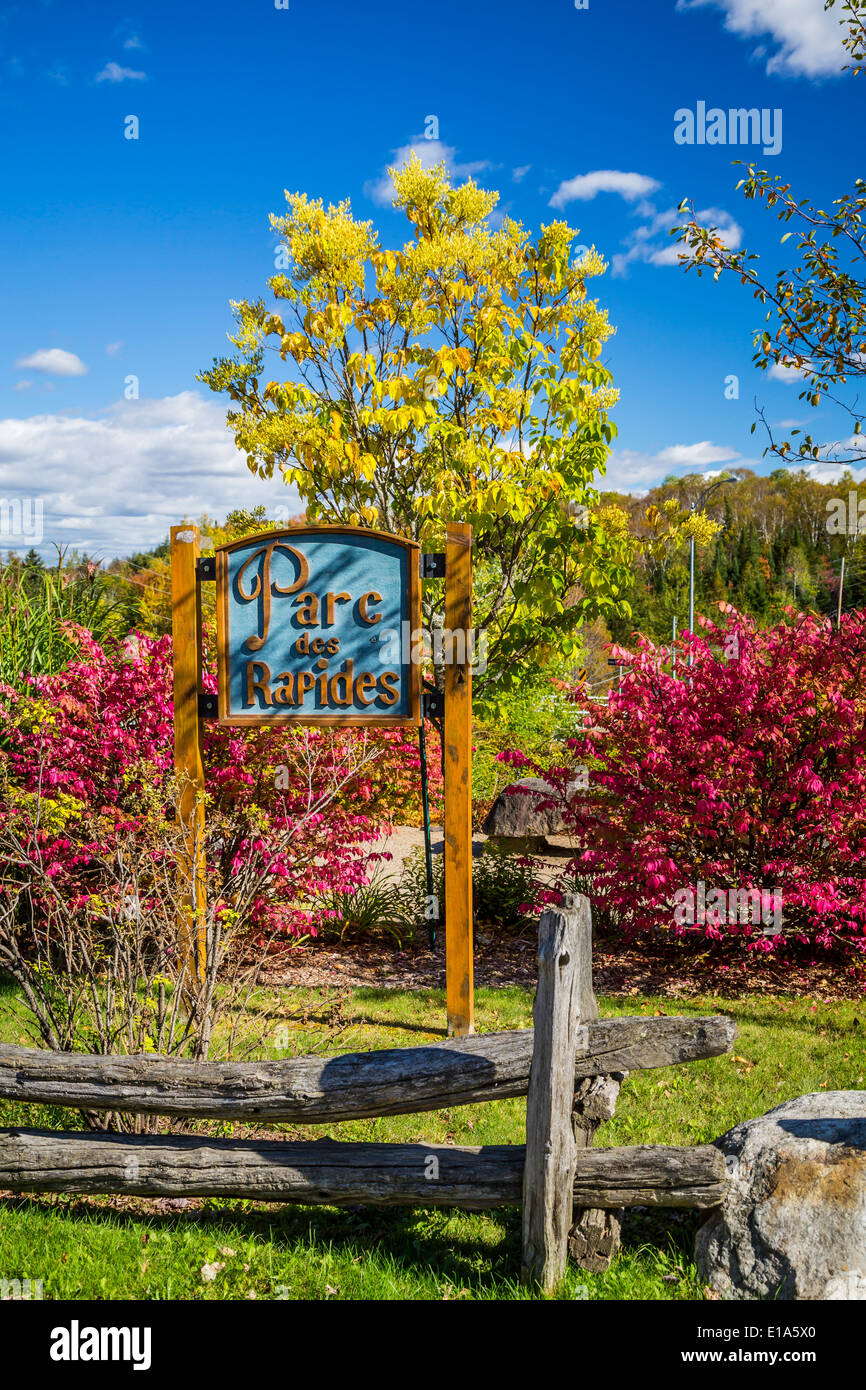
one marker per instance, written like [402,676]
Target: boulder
[515,813]
[793,1224]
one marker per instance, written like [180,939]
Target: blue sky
[120,256]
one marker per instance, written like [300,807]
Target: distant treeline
[782,541]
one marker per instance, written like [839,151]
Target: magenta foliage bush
[91,751]
[746,771]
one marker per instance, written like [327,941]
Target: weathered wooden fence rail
[570,1066]
[314,1090]
[325,1172]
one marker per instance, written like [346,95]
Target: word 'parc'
[305,618]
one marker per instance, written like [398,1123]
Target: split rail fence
[570,1066]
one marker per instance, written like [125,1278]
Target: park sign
[322,625]
[311,627]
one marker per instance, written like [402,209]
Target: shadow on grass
[374,1021]
[418,1241]
[819,1022]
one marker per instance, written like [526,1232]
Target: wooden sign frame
[376,718]
[459,983]
[457,759]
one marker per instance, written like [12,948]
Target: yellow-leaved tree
[457,378]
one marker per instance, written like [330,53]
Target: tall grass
[35,607]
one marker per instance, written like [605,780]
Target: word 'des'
[305,617]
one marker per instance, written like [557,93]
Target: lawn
[136,1248]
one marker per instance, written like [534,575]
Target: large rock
[515,813]
[793,1225]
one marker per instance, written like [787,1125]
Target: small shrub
[366,910]
[505,889]
[93,743]
[40,612]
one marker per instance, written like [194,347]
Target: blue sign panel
[312,627]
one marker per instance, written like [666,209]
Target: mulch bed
[660,968]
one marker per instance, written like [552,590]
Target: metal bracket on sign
[208,705]
[433,704]
[433,565]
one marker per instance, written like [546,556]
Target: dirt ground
[406,838]
[647,966]
[618,969]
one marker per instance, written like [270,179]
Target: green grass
[105,1248]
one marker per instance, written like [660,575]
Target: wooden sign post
[459,986]
[321,625]
[188,760]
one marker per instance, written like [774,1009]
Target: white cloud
[808,37]
[854,444]
[583,187]
[113,72]
[629,470]
[696,455]
[520,172]
[133,42]
[652,243]
[112,349]
[827,472]
[22,386]
[54,361]
[114,482]
[429,152]
[789,373]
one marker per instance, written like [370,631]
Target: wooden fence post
[458,780]
[564,977]
[595,1233]
[188,757]
[594,1237]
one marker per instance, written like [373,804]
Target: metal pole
[691,595]
[432,902]
[674,643]
[839,606]
[696,505]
